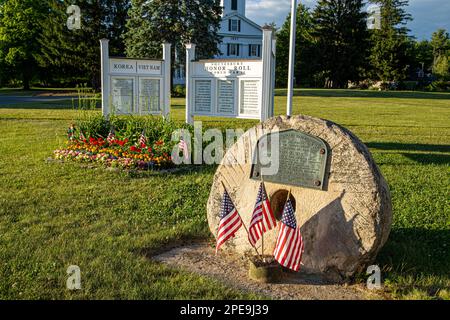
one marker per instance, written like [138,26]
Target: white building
[241,37]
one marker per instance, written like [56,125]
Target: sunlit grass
[54,215]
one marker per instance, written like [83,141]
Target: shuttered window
[234,25]
[234,5]
[254,50]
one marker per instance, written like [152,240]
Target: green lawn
[53,215]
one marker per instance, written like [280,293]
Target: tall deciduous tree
[342,40]
[19,27]
[304,49]
[440,43]
[175,21]
[389,58]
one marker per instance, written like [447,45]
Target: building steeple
[233,6]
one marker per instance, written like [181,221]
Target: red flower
[135,149]
[143,145]
[93,141]
[159,143]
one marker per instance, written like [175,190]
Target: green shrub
[179,91]
[439,86]
[129,127]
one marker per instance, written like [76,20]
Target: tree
[389,58]
[175,21]
[304,49]
[76,53]
[440,42]
[342,40]
[19,27]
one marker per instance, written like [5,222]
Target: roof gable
[237,15]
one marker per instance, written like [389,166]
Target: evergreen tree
[175,21]
[76,53]
[341,34]
[389,58]
[19,27]
[304,49]
[440,42]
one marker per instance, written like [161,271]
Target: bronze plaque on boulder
[302,159]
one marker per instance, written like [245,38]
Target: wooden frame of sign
[135,86]
[233,88]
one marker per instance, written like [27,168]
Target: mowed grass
[109,224]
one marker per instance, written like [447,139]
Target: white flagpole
[292,57]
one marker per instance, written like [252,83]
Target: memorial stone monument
[341,200]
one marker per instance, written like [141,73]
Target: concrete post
[167,57]
[104,52]
[267,75]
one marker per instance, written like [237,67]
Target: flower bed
[116,153]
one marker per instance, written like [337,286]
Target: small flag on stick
[184,147]
[82,137]
[142,140]
[263,218]
[230,221]
[71,132]
[289,248]
[111,136]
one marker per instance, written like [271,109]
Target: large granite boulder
[343,226]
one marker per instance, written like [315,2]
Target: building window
[234,5]
[233,49]
[254,50]
[234,25]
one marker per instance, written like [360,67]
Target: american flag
[70,132]
[142,139]
[289,248]
[263,218]
[184,147]
[230,221]
[82,137]
[111,137]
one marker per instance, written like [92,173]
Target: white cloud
[429,15]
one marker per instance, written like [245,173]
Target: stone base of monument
[267,270]
[341,201]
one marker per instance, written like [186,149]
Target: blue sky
[429,15]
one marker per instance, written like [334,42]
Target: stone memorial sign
[237,88]
[135,86]
[302,159]
[344,222]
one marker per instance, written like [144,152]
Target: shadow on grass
[417,251]
[394,146]
[181,171]
[438,159]
[347,93]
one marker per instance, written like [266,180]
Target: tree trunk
[26,80]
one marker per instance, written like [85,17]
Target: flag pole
[292,57]
[243,224]
[262,237]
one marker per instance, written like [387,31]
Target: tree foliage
[304,49]
[342,40]
[175,21]
[76,52]
[440,42]
[389,58]
[20,22]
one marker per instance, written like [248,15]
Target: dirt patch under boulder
[232,269]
